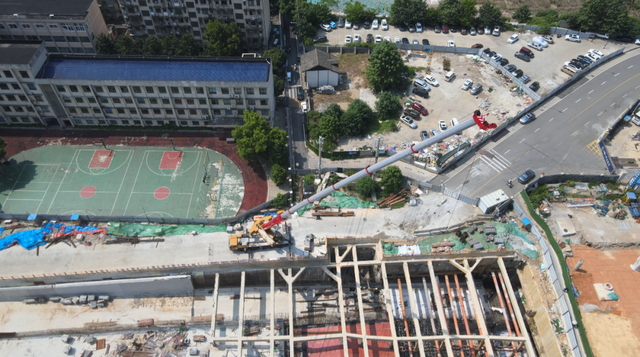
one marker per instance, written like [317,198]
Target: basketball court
[122,181]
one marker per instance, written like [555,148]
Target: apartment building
[71,90]
[65,26]
[176,17]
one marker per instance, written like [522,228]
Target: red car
[445,28]
[420,108]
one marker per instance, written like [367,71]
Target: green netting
[150,230]
[516,241]
[612,296]
[342,200]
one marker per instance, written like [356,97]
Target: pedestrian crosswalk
[494,160]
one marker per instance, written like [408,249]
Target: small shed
[320,69]
[629,198]
[489,202]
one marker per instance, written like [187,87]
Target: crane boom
[369,170]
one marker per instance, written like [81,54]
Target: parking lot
[448,101]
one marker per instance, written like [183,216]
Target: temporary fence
[535,96]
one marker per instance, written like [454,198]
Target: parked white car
[535,45]
[419,27]
[347,24]
[378,38]
[487,30]
[513,38]
[385,26]
[592,56]
[347,39]
[429,79]
[450,43]
[467,84]
[375,25]
[397,39]
[541,41]
[497,57]
[572,38]
[356,38]
[387,38]
[442,125]
[325,27]
[406,120]
[596,52]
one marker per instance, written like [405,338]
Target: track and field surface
[124,181]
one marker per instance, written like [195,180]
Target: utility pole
[378,147]
[320,142]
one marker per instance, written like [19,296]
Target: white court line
[48,186]
[39,191]
[24,199]
[486,161]
[98,192]
[14,185]
[536,130]
[132,186]
[152,192]
[63,177]
[194,185]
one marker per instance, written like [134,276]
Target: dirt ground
[613,327]
[353,65]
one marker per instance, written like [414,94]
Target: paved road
[561,139]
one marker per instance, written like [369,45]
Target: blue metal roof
[155,70]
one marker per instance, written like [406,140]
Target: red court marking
[88,191]
[161,193]
[171,160]
[101,159]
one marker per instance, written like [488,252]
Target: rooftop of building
[318,60]
[17,52]
[156,69]
[39,8]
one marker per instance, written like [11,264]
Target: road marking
[637,87]
[612,104]
[615,75]
[527,153]
[565,109]
[603,83]
[545,139]
[579,99]
[472,193]
[536,146]
[625,95]
[518,159]
[629,67]
[522,140]
[604,96]
[600,113]
[507,151]
[587,123]
[550,120]
[489,163]
[536,130]
[590,92]
[500,157]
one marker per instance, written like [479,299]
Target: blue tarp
[35,237]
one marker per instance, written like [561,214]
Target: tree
[356,119]
[388,106]
[523,14]
[432,17]
[138,45]
[105,45]
[278,150]
[278,58]
[278,86]
[252,137]
[408,11]
[278,174]
[222,39]
[3,151]
[391,179]
[489,15]
[188,46]
[124,46]
[330,125]
[152,47]
[603,16]
[280,201]
[366,186]
[356,12]
[386,70]
[169,45]
[308,179]
[449,12]
[467,13]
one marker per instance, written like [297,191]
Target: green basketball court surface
[121,181]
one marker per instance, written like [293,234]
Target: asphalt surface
[562,139]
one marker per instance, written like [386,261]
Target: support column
[387,303]
[215,308]
[441,316]
[519,318]
[273,313]
[482,324]
[363,326]
[414,307]
[241,314]
[427,294]
[290,279]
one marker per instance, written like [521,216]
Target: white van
[454,122]
[449,76]
[541,41]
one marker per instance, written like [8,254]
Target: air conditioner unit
[252,107]
[71,116]
[16,16]
[237,95]
[230,95]
[253,18]
[41,113]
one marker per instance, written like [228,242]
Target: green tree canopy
[278,58]
[489,15]
[391,179]
[523,14]
[252,137]
[222,39]
[388,106]
[467,13]
[278,86]
[408,11]
[105,45]
[357,13]
[432,17]
[603,16]
[356,119]
[280,201]
[169,45]
[278,174]
[365,187]
[449,12]
[124,46]
[152,47]
[188,46]
[330,124]
[278,150]
[386,70]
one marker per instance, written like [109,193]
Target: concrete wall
[118,288]
[317,79]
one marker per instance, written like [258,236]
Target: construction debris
[393,199]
